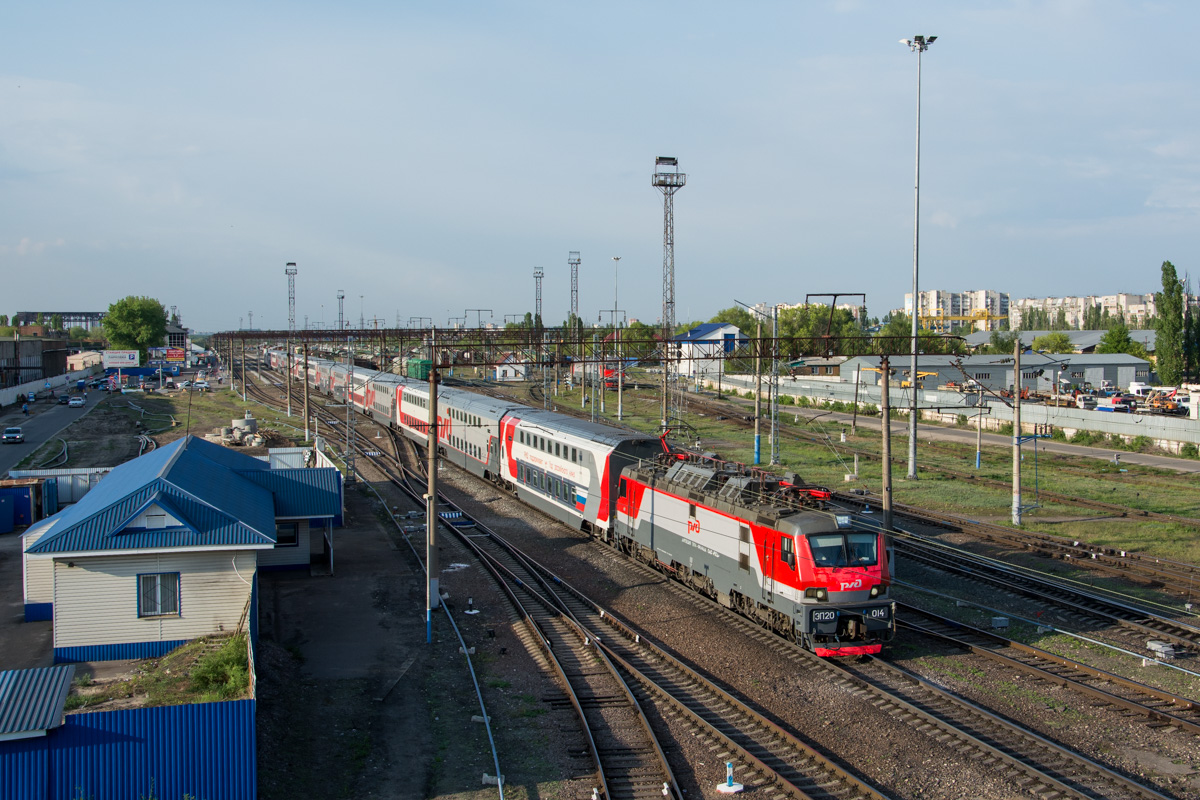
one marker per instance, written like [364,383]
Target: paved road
[968,436]
[45,421]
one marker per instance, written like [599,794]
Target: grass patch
[203,671]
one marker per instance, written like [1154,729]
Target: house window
[158,594]
[287,534]
[156,521]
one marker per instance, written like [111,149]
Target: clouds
[430,157]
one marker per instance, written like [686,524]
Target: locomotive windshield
[850,549]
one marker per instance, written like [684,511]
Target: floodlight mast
[668,183]
[918,44]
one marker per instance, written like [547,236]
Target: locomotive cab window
[844,550]
[786,552]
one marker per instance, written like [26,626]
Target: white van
[1139,389]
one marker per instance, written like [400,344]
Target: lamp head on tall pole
[920,43]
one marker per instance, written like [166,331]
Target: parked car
[201,385]
[76,402]
[13,435]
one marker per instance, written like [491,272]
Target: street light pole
[918,44]
[617,344]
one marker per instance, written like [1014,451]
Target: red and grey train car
[754,543]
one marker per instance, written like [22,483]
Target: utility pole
[775,388]
[433,595]
[306,410]
[290,271]
[885,409]
[758,393]
[1016,441]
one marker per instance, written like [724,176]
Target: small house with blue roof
[700,352]
[166,547]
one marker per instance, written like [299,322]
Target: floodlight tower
[537,305]
[250,316]
[290,271]
[341,302]
[918,45]
[668,183]
[573,262]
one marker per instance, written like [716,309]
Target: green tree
[136,323]
[1001,343]
[56,323]
[1056,342]
[1117,340]
[1060,321]
[1168,339]
[3,320]
[40,320]
[1035,319]
[78,333]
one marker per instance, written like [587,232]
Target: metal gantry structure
[452,348]
[668,183]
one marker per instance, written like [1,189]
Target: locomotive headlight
[820,593]
[876,590]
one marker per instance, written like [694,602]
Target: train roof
[585,429]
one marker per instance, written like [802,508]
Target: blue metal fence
[203,750]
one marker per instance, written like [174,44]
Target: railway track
[1125,621]
[1160,708]
[1041,766]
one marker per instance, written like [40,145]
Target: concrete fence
[1167,432]
[15,394]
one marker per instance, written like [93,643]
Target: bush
[1140,443]
[787,400]
[961,420]
[1058,435]
[1189,450]
[223,672]
[803,402]
[869,410]
[1005,430]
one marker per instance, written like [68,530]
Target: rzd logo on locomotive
[845,585]
[694,527]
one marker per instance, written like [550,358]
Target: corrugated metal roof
[302,492]
[31,700]
[217,505]
[700,331]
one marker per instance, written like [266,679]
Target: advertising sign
[118,359]
[175,354]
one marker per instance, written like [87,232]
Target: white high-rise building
[943,311]
[1135,309]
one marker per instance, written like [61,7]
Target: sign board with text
[117,359]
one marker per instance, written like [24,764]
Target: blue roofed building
[700,353]
[166,547]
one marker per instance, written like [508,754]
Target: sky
[426,158]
